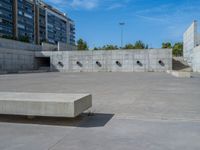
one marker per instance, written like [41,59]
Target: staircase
[179,64]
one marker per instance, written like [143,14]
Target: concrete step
[179,64]
[180,74]
[32,71]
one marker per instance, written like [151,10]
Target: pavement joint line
[57,142]
[163,119]
[61,139]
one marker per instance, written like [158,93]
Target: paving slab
[131,111]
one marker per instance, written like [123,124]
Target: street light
[122,32]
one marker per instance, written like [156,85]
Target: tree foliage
[7,37]
[166,45]
[24,39]
[21,38]
[129,46]
[138,45]
[178,49]
[107,47]
[96,48]
[110,47]
[82,45]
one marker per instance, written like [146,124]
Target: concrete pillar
[15,16]
[37,23]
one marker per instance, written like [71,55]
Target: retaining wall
[17,45]
[158,60]
[15,60]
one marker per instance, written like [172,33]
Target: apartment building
[36,21]
[6,17]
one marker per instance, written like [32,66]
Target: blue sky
[152,21]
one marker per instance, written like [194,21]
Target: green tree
[129,46]
[95,49]
[178,49]
[24,39]
[7,37]
[166,45]
[82,45]
[139,45]
[109,47]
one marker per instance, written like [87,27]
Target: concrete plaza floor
[132,111]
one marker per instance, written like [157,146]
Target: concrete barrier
[179,74]
[44,104]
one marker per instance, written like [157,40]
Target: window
[21,26]
[28,16]
[20,12]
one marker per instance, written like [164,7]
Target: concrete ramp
[44,104]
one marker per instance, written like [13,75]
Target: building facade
[25,20]
[35,21]
[6,17]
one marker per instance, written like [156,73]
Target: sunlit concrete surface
[180,74]
[44,104]
[137,111]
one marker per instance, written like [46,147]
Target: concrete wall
[49,47]
[110,61]
[196,59]
[57,47]
[16,45]
[17,56]
[15,60]
[65,47]
[191,39]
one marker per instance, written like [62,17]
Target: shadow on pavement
[84,120]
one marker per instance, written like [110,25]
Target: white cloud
[89,4]
[115,6]
[57,1]
[85,4]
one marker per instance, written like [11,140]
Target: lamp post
[121,24]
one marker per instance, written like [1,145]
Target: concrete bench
[44,104]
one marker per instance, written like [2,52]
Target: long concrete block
[44,104]
[32,71]
[179,74]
